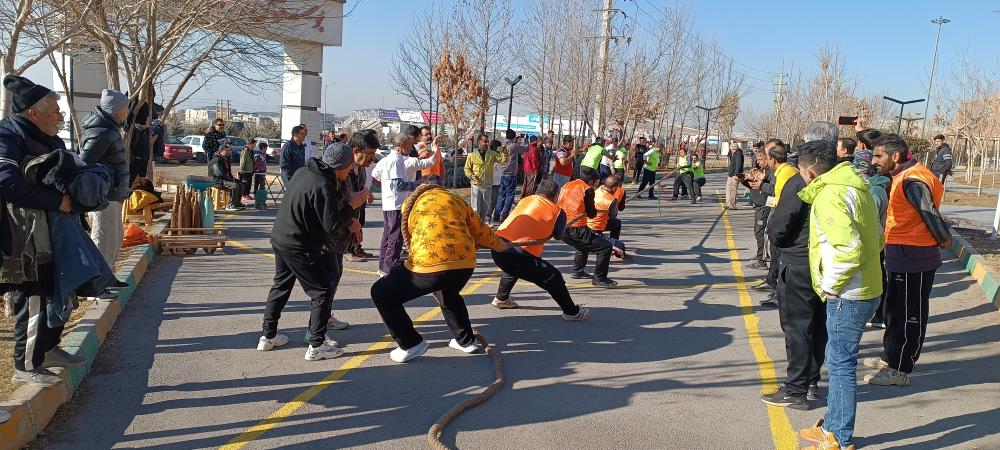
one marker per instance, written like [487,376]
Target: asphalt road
[677,358]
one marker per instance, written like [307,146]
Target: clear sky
[887,45]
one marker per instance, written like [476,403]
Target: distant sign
[536,118]
[407,115]
[430,117]
[388,115]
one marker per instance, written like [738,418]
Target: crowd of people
[847,230]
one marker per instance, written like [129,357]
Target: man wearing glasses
[213,138]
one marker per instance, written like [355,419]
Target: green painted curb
[973,261]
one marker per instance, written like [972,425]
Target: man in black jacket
[942,163]
[735,174]
[761,212]
[102,143]
[214,139]
[364,144]
[221,170]
[800,310]
[314,226]
[28,133]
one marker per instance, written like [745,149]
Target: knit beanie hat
[113,101]
[863,161]
[25,92]
[338,155]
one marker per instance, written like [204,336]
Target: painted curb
[974,263]
[32,407]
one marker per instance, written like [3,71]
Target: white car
[196,149]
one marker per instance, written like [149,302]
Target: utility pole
[930,83]
[778,100]
[604,49]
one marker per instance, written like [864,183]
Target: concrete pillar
[86,78]
[302,90]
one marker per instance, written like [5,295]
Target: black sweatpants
[773,266]
[246,179]
[684,179]
[33,337]
[401,285]
[760,215]
[637,172]
[906,311]
[615,228]
[803,321]
[879,315]
[318,273]
[516,265]
[648,179]
[586,242]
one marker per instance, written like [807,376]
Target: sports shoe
[503,304]
[336,325]
[265,344]
[58,357]
[382,274]
[875,362]
[364,254]
[107,296]
[699,198]
[474,347]
[4,416]
[401,356]
[814,434]
[813,392]
[771,301]
[758,265]
[784,399]
[354,258]
[583,314]
[326,350]
[827,440]
[763,286]
[875,324]
[38,377]
[605,283]
[581,275]
[888,377]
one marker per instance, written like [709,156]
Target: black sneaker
[758,265]
[771,301]
[813,392]
[762,286]
[605,283]
[784,399]
[581,275]
[653,197]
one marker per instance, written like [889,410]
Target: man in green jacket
[844,246]
[479,169]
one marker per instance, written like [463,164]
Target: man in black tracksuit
[941,165]
[801,312]
[761,211]
[315,224]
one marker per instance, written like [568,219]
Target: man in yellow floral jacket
[442,233]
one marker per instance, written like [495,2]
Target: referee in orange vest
[915,233]
[536,217]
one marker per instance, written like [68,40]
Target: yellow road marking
[643,286]
[782,433]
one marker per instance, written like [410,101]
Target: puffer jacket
[880,191]
[102,143]
[844,236]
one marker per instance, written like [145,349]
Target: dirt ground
[969,199]
[980,240]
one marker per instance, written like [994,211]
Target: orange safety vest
[438,167]
[603,201]
[533,218]
[903,225]
[571,201]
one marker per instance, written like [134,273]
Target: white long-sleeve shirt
[397,175]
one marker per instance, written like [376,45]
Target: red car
[175,150]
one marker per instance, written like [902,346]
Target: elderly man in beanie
[28,133]
[314,226]
[102,143]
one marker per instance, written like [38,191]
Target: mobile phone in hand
[847,120]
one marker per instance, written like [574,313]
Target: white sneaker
[474,347]
[503,304]
[401,356]
[874,362]
[328,350]
[382,274]
[888,377]
[583,314]
[265,344]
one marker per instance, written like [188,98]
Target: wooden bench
[180,241]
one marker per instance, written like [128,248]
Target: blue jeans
[845,323]
[505,199]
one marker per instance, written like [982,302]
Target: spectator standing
[293,154]
[844,245]
[735,174]
[213,138]
[29,132]
[761,212]
[479,169]
[506,186]
[246,168]
[102,143]
[429,142]
[914,235]
[845,149]
[139,145]
[260,175]
[564,157]
[313,228]
[637,159]
[363,144]
[532,166]
[942,163]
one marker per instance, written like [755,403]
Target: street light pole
[708,117]
[510,106]
[326,103]
[496,109]
[902,105]
[930,83]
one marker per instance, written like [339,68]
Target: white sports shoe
[474,347]
[328,350]
[399,355]
[583,314]
[265,344]
[382,274]
[503,304]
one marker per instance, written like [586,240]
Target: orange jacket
[903,225]
[533,218]
[571,201]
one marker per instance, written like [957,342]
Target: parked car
[274,149]
[238,143]
[197,151]
[176,150]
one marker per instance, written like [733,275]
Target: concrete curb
[976,266]
[32,407]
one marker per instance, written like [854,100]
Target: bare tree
[419,49]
